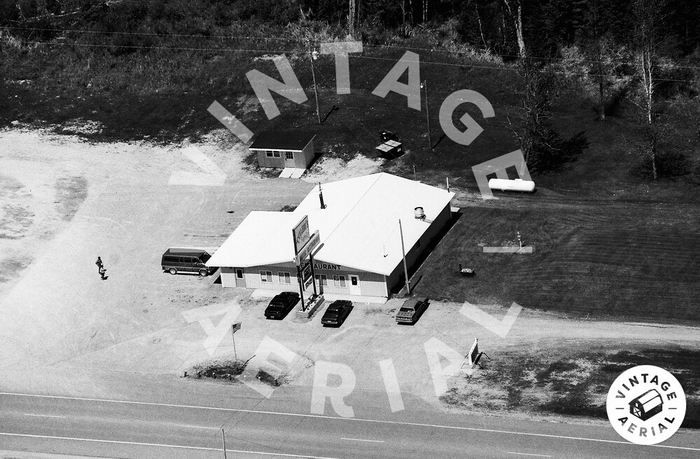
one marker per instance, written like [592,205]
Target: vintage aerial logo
[646,405]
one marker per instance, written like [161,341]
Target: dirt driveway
[65,202]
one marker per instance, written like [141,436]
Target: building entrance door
[240,280]
[355,285]
[288,159]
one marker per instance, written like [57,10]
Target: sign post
[304,244]
[234,328]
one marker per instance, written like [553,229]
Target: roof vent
[419,213]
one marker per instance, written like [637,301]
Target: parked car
[177,261]
[280,305]
[411,310]
[336,313]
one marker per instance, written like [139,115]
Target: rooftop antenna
[320,196]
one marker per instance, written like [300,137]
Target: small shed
[282,149]
[647,405]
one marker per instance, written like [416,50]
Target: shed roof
[359,227]
[650,397]
[282,140]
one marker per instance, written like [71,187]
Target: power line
[256,50]
[298,41]
[492,67]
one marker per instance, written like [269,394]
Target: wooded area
[641,52]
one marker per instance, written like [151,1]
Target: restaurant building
[360,251]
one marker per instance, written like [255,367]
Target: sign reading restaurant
[327,266]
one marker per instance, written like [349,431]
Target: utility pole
[313,56]
[403,255]
[424,85]
[223,439]
[233,338]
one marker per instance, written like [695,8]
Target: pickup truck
[411,310]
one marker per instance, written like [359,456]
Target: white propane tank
[527,186]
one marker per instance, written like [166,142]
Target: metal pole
[427,113]
[403,254]
[313,273]
[223,440]
[313,75]
[301,287]
[447,180]
[233,337]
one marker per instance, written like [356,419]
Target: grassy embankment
[552,380]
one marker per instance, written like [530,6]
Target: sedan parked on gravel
[411,310]
[336,313]
[280,305]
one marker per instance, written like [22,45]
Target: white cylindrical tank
[527,186]
[419,213]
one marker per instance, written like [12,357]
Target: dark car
[280,305]
[336,313]
[191,261]
[411,310]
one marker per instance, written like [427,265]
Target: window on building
[266,276]
[239,273]
[289,154]
[268,153]
[284,278]
[276,154]
[339,280]
[322,279]
[353,280]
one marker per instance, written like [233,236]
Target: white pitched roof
[358,228]
[262,238]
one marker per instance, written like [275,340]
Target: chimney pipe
[320,196]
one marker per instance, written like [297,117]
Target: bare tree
[351,18]
[516,16]
[481,29]
[647,16]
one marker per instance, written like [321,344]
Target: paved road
[115,428]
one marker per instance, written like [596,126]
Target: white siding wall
[371,284]
[254,280]
[228,277]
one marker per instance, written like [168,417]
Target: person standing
[99,264]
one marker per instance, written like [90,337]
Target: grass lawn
[635,261]
[565,382]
